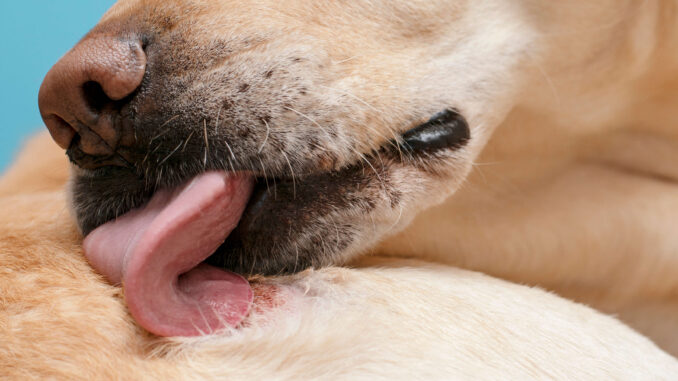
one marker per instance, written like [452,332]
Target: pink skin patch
[268,297]
[157,251]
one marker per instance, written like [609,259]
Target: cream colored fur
[572,179]
[387,319]
[577,190]
[574,188]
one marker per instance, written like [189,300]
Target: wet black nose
[82,95]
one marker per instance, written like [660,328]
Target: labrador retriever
[383,319]
[531,140]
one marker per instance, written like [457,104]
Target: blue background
[34,35]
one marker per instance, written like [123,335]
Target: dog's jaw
[317,120]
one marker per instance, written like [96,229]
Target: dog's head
[298,132]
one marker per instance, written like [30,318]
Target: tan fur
[388,319]
[572,187]
[577,190]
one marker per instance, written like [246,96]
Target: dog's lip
[157,251]
[445,130]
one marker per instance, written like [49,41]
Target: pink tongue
[156,252]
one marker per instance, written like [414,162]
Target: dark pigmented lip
[254,212]
[280,209]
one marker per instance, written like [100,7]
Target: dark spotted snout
[83,97]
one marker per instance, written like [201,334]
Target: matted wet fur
[386,319]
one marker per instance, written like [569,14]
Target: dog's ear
[41,166]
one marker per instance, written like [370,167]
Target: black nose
[82,95]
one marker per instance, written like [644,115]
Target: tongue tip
[206,300]
[147,249]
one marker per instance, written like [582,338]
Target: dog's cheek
[392,200]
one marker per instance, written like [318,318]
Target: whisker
[309,119]
[158,177]
[204,319]
[170,120]
[158,136]
[170,155]
[296,257]
[202,333]
[216,123]
[268,131]
[381,181]
[230,150]
[366,160]
[254,262]
[345,60]
[294,182]
[397,221]
[263,169]
[230,164]
[228,146]
[207,143]
[187,140]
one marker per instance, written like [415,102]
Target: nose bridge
[115,65]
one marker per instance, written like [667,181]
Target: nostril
[95,97]
[83,97]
